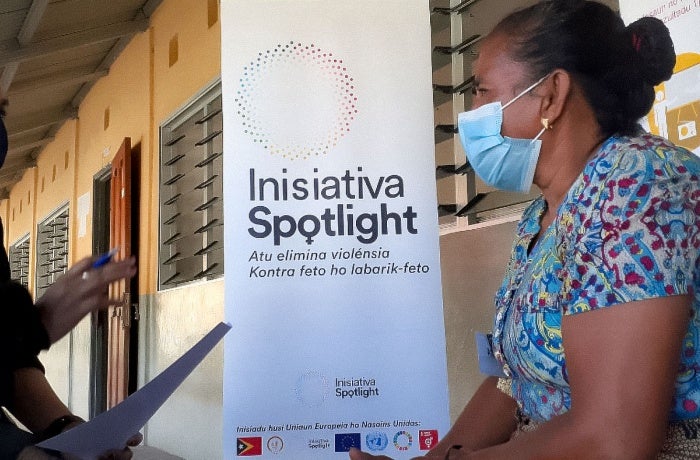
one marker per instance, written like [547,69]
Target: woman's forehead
[494,63]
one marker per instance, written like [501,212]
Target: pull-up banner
[332,263]
[676,111]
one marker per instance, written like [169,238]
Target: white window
[191,193]
[52,249]
[19,260]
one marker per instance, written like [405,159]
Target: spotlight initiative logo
[312,389]
[296,100]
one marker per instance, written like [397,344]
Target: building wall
[4,215]
[473,263]
[113,110]
[158,72]
[177,318]
[20,214]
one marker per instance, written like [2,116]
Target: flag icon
[344,441]
[248,447]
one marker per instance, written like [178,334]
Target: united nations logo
[376,440]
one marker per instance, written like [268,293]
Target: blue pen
[105,258]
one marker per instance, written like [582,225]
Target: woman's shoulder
[642,158]
[650,150]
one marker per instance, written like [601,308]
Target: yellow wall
[55,175]
[20,215]
[145,86]
[122,98]
[198,63]
[158,72]
[21,207]
[4,207]
[199,53]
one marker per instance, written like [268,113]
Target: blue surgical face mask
[500,161]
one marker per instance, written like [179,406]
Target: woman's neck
[566,150]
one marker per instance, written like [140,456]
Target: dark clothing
[13,439]
[22,335]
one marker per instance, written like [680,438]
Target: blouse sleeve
[22,335]
[22,331]
[635,231]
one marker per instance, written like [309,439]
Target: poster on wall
[332,280]
[676,111]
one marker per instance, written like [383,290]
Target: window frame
[208,162]
[58,246]
[21,272]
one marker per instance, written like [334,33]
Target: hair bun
[651,42]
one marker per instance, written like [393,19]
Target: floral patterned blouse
[628,229]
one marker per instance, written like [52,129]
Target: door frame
[122,341]
[99,323]
[102,390]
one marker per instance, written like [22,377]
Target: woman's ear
[555,92]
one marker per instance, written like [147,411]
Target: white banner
[332,250]
[676,111]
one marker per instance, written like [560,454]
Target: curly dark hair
[617,67]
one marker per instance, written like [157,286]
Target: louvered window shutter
[52,249]
[191,193]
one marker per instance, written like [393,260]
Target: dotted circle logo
[296,100]
[312,389]
[403,440]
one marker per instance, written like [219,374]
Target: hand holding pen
[102,260]
[81,290]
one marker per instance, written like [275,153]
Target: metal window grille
[19,260]
[191,193]
[52,249]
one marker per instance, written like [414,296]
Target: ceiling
[51,53]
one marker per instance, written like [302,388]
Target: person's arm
[487,419]
[622,363]
[84,288]
[34,402]
[37,406]
[28,328]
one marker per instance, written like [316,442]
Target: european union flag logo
[344,441]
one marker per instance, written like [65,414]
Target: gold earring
[546,124]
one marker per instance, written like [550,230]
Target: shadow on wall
[472,263]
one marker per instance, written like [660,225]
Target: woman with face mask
[596,323]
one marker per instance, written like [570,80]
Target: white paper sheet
[111,429]
[83,212]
